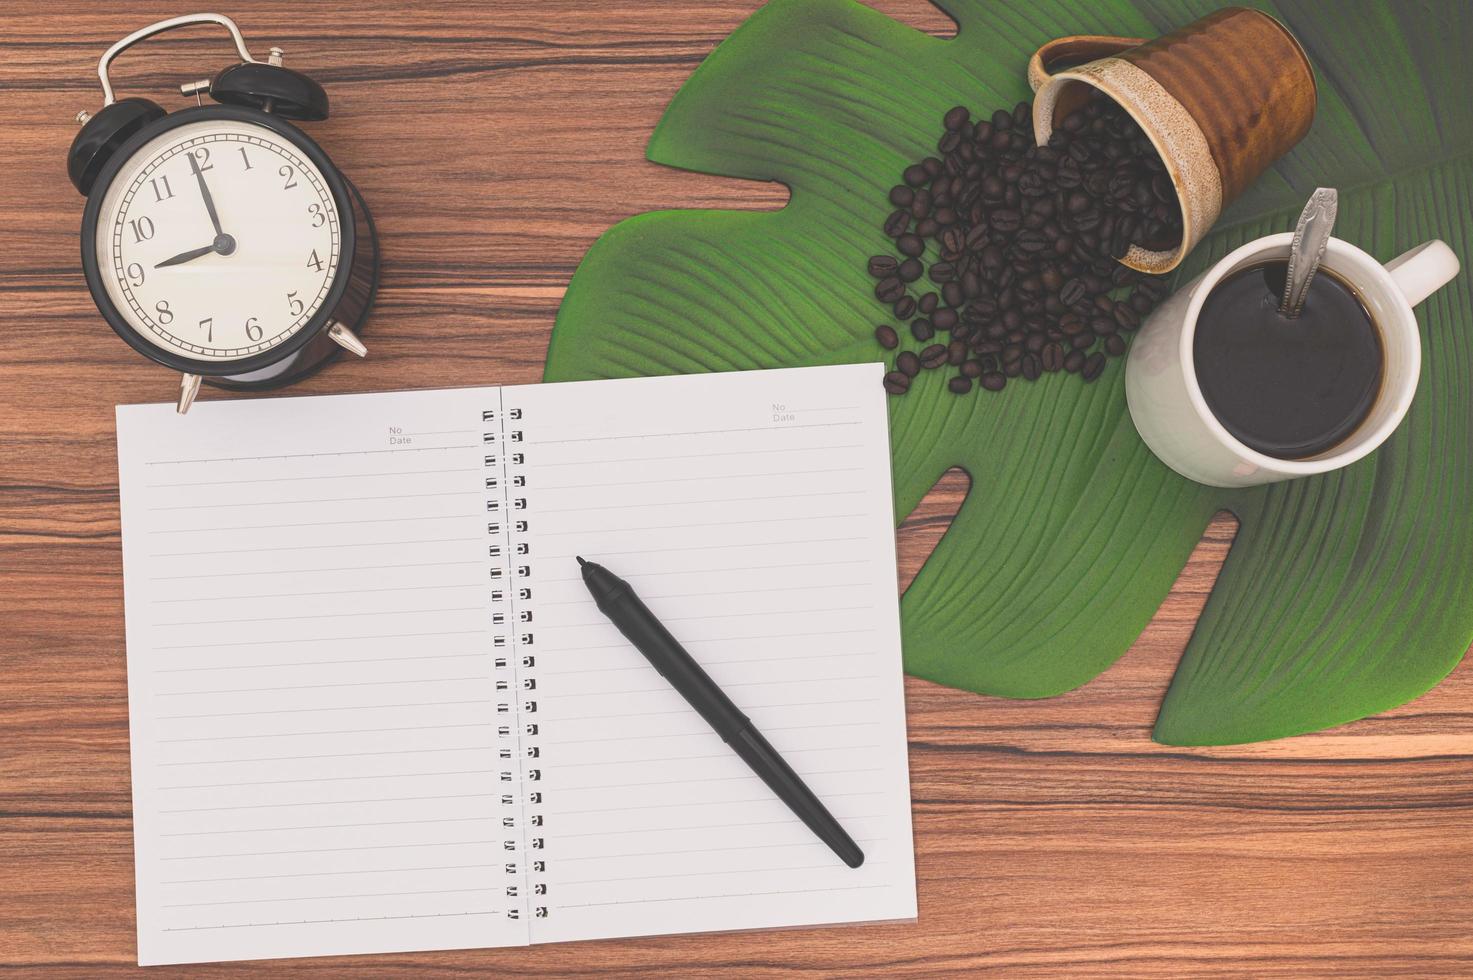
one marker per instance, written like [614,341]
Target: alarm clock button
[188,388]
[346,339]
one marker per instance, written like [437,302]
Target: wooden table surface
[494,142]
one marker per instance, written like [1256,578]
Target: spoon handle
[1311,237]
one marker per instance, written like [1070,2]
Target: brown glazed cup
[1221,98]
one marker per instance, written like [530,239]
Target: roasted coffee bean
[1006,220]
[904,308]
[943,272]
[993,381]
[889,290]
[1071,292]
[910,245]
[1082,341]
[1052,357]
[1013,370]
[1073,361]
[1126,316]
[927,303]
[956,352]
[921,329]
[1011,353]
[960,385]
[956,118]
[897,223]
[1115,345]
[927,227]
[897,382]
[949,142]
[910,270]
[1093,365]
[1032,367]
[887,336]
[1071,323]
[972,368]
[952,294]
[933,356]
[901,196]
[881,266]
[944,318]
[908,363]
[915,175]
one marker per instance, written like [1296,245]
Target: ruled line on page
[486,818]
[319,663]
[683,456]
[722,571]
[719,547]
[347,452]
[696,432]
[783,868]
[320,687]
[655,760]
[697,479]
[845,655]
[616,855]
[693,898]
[584,508]
[323,898]
[320,500]
[237,597]
[325,707]
[305,571]
[702,733]
[355,614]
[340,731]
[351,918]
[806,518]
[329,755]
[305,547]
[326,476]
[753,707]
[682,781]
[271,527]
[707,826]
[423,774]
[317,639]
[292,806]
[670,806]
[584,600]
[328,874]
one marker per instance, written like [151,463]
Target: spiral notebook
[373,707]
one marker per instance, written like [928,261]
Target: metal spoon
[1311,236]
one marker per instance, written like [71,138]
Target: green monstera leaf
[1343,595]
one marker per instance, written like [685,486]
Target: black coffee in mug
[1288,388]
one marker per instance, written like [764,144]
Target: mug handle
[1422,271]
[1078,48]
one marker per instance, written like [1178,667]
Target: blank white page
[309,677]
[753,514]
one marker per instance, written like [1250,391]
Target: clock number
[135,274]
[296,305]
[202,154]
[166,315]
[313,262]
[246,158]
[161,189]
[315,210]
[208,326]
[253,329]
[288,173]
[142,229]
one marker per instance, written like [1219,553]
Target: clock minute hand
[188,256]
[204,192]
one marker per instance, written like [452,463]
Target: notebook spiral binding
[515,662]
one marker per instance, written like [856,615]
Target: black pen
[617,601]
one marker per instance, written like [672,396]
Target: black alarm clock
[220,240]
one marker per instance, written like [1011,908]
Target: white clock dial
[226,287]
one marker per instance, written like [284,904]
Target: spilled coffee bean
[1015,247]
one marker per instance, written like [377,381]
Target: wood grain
[494,142]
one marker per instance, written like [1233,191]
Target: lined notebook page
[752,512]
[309,677]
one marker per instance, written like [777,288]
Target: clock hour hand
[204,192]
[223,244]
[190,255]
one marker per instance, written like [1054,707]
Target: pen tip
[580,559]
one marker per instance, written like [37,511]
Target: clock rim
[336,184]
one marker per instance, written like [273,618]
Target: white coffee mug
[1166,401]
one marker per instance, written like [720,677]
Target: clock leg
[347,317]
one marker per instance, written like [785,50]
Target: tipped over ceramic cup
[1220,99]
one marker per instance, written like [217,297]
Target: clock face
[218,240]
